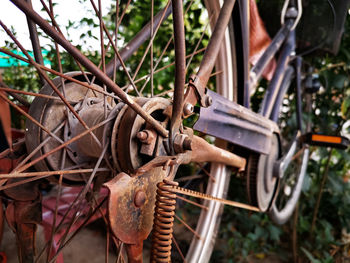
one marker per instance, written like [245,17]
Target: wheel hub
[118,138]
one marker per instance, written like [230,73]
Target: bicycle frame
[228,121]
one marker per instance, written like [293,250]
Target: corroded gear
[261,182]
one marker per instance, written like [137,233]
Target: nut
[188,109]
[146,136]
[182,143]
[142,136]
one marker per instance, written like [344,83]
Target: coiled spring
[163,222]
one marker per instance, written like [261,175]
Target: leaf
[310,256]
[339,81]
[274,232]
[345,108]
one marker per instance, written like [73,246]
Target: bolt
[140,198]
[188,109]
[208,101]
[142,135]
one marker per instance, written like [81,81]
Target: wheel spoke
[151,56]
[188,227]
[206,172]
[55,217]
[30,117]
[150,42]
[77,137]
[191,202]
[54,23]
[11,90]
[57,74]
[178,249]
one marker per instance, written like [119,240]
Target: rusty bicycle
[104,142]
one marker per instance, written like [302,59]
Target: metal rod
[298,64]
[213,48]
[180,66]
[33,33]
[245,25]
[274,87]
[275,45]
[287,78]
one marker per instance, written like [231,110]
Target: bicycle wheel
[274,181]
[79,133]
[291,168]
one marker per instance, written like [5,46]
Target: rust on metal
[129,222]
[202,151]
[140,198]
[180,70]
[163,222]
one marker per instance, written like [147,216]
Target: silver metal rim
[209,221]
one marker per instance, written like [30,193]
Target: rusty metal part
[146,136]
[131,223]
[180,70]
[149,144]
[51,31]
[142,136]
[23,192]
[165,162]
[23,217]
[134,252]
[182,143]
[180,190]
[92,111]
[232,122]
[202,151]
[34,37]
[198,82]
[114,136]
[127,152]
[163,222]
